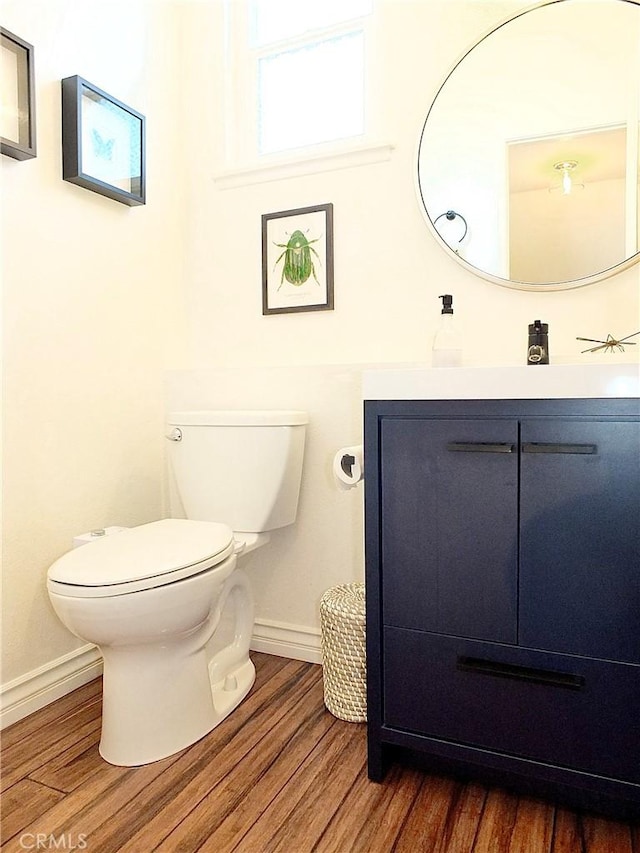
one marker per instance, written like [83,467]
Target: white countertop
[501,383]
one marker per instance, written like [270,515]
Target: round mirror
[528,162]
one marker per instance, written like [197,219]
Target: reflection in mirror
[532,143]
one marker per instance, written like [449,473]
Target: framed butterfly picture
[18,114]
[103,143]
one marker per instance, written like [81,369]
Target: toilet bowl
[151,597]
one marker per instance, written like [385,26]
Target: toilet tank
[242,468]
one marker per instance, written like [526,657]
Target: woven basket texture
[342,623]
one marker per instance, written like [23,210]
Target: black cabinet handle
[480,447]
[520,673]
[541,447]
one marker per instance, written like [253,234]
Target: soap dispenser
[447,350]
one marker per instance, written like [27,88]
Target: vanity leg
[377,762]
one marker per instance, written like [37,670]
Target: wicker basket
[343,652]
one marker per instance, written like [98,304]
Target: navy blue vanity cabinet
[502,544]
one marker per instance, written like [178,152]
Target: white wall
[92,313]
[94,293]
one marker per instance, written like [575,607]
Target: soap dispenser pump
[447,350]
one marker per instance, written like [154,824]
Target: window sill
[307,164]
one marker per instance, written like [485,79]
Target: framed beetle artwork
[297,260]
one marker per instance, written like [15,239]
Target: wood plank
[296,817]
[370,818]
[567,832]
[96,809]
[47,743]
[533,827]
[73,767]
[463,820]
[264,788]
[427,819]
[606,836]
[24,802]
[497,822]
[57,819]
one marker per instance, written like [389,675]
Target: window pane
[273,20]
[312,94]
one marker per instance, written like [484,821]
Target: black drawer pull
[521,673]
[480,447]
[540,447]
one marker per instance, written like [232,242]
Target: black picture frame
[18,133]
[103,143]
[297,260]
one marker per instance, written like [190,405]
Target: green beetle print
[298,264]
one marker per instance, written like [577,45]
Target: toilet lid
[144,552]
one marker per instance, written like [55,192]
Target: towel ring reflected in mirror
[451,215]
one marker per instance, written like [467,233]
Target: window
[311,94]
[299,72]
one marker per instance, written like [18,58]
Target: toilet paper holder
[348,466]
[346,463]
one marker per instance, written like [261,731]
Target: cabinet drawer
[564,710]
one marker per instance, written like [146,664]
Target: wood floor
[280,774]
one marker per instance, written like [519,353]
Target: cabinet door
[449,525]
[580,538]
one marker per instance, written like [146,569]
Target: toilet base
[162,697]
[231,690]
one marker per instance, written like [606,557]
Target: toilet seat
[139,558]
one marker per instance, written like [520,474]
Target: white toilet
[151,597]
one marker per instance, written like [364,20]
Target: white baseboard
[38,688]
[286,640]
